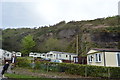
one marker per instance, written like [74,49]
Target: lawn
[25,77]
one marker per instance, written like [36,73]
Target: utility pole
[77,46]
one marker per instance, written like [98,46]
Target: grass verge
[18,76]
[25,77]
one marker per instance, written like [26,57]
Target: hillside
[98,33]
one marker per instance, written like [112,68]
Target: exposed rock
[67,33]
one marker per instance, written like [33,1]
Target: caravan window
[66,55]
[7,55]
[18,54]
[59,55]
[118,59]
[97,57]
[90,58]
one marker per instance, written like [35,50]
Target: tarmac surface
[0,72]
[8,71]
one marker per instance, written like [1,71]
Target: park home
[18,54]
[104,57]
[54,55]
[1,53]
[60,55]
[34,54]
[31,54]
[7,55]
[42,55]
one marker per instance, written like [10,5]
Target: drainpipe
[104,58]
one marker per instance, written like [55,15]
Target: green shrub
[47,66]
[70,68]
[114,72]
[97,71]
[23,62]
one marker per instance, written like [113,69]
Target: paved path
[0,72]
[8,71]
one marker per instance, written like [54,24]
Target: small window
[7,54]
[75,60]
[98,57]
[118,59]
[90,58]
[51,55]
[59,55]
[66,55]
[47,55]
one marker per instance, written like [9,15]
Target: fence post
[85,71]
[47,66]
[108,72]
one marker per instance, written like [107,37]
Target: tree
[53,44]
[27,44]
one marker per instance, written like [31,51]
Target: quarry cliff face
[105,37]
[101,33]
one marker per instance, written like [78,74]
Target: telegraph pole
[77,46]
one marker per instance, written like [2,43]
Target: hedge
[23,62]
[71,68]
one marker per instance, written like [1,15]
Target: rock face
[67,33]
[106,40]
[106,37]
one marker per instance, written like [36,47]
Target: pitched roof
[57,52]
[106,50]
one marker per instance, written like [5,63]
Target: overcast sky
[35,13]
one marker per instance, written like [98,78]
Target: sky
[36,13]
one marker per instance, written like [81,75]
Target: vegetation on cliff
[98,33]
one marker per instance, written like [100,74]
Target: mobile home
[104,57]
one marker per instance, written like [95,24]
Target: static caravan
[1,56]
[60,55]
[7,55]
[41,55]
[31,54]
[104,57]
[35,55]
[18,54]
[1,53]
